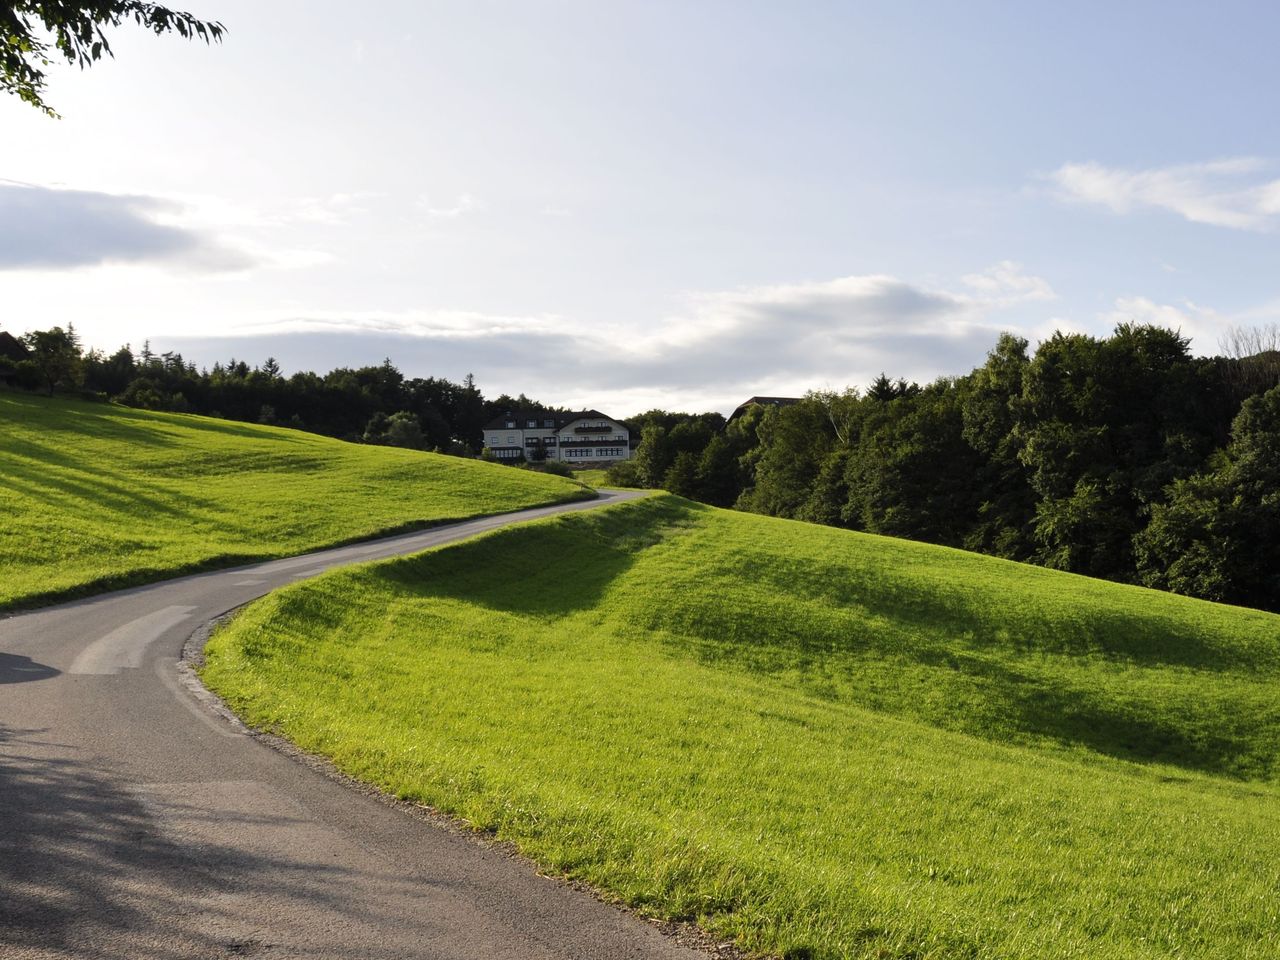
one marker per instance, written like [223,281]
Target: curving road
[136,822]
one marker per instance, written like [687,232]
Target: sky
[627,205]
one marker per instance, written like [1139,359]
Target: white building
[585,437]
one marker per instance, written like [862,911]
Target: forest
[1122,457]
[376,404]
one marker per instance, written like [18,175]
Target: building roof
[11,347]
[521,417]
[762,402]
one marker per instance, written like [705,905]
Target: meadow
[815,742]
[592,477]
[96,496]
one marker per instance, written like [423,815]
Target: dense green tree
[829,496]
[35,32]
[682,476]
[883,389]
[623,473]
[989,398]
[1121,457]
[717,479]
[400,429]
[652,456]
[794,443]
[1107,425]
[1218,537]
[54,356]
[110,375]
[145,394]
[340,403]
[689,436]
[911,474]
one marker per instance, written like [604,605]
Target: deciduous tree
[55,355]
[35,32]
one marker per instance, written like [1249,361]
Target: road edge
[682,933]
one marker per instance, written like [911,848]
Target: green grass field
[95,496]
[592,478]
[820,743]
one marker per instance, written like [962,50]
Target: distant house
[585,437]
[11,352]
[762,402]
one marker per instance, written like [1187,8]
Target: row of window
[594,454]
[513,440]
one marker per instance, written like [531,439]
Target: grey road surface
[136,823]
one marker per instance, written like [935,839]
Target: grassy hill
[824,744]
[96,496]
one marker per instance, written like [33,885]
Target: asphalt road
[135,822]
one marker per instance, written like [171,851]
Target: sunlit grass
[821,743]
[592,478]
[94,496]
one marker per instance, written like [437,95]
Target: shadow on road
[17,669]
[88,870]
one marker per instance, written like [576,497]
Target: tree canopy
[35,32]
[1122,457]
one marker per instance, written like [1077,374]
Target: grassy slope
[95,496]
[594,477]
[822,743]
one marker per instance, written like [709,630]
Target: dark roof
[762,402]
[11,347]
[561,419]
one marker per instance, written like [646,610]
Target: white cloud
[58,227]
[845,330]
[421,324]
[1204,325]
[784,338]
[1233,193]
[1006,283]
[462,203]
[47,228]
[334,210]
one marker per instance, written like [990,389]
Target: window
[511,424]
[511,440]
[531,424]
[549,424]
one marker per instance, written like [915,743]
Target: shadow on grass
[1232,746]
[976,606]
[132,425]
[543,570]
[994,692]
[101,421]
[554,570]
[127,500]
[234,428]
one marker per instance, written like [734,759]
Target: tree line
[373,404]
[1120,457]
